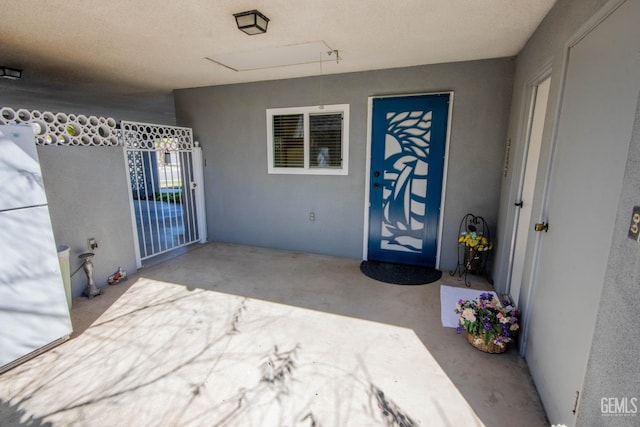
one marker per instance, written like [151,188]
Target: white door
[540,96]
[593,136]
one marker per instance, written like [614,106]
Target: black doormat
[399,274]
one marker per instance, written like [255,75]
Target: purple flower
[486,296]
[459,329]
[487,323]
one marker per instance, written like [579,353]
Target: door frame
[530,91]
[367,170]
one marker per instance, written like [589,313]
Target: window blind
[288,141]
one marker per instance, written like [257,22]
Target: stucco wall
[88,100]
[86,186]
[87,194]
[246,205]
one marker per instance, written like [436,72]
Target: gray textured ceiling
[153,46]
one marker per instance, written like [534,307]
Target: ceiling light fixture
[252,22]
[10,73]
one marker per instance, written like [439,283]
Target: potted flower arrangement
[489,325]
[476,241]
[475,244]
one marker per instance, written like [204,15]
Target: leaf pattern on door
[407,141]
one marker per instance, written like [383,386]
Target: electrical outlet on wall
[312,216]
[92,243]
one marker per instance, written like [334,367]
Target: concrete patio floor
[229,335]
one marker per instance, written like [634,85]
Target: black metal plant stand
[470,259]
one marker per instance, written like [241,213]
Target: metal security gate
[165,172]
[409,137]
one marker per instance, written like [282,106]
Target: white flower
[469,314]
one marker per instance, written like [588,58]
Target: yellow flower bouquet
[476,241]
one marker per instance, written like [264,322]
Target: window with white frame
[308,140]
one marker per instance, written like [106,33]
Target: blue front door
[408,141]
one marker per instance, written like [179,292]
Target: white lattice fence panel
[146,136]
[64,129]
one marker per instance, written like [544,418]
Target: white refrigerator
[34,315]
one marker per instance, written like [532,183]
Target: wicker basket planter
[478,342]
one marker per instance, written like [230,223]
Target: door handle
[519,204]
[541,227]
